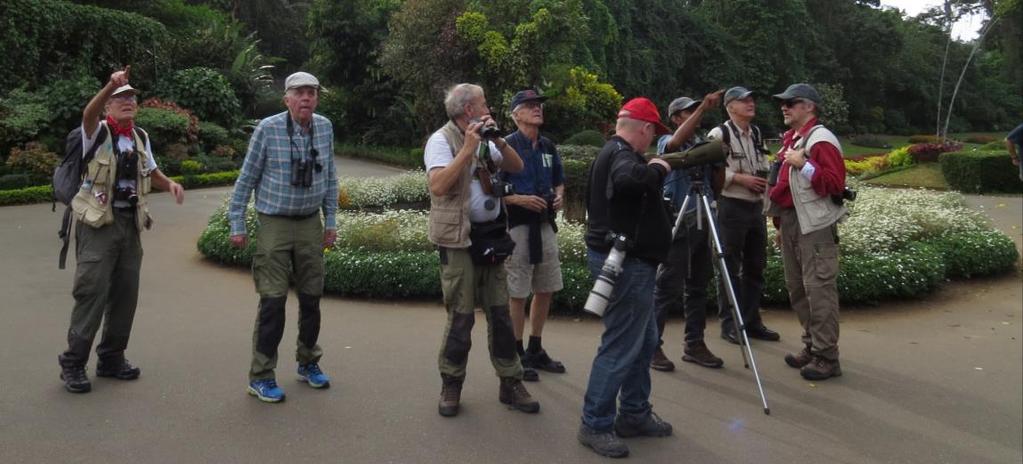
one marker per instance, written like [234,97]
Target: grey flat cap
[737,93]
[681,104]
[301,79]
[800,91]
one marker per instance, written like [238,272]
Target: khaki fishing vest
[449,213]
[814,211]
[92,205]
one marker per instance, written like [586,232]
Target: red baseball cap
[642,109]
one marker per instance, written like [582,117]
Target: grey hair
[458,96]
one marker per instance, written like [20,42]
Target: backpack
[67,178]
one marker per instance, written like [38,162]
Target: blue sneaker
[311,374]
[266,390]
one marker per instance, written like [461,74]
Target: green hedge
[403,157]
[44,193]
[981,172]
[56,39]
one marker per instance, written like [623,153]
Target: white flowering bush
[894,244]
[380,192]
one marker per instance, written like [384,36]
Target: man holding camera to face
[467,224]
[625,206]
[807,203]
[740,215]
[534,266]
[290,165]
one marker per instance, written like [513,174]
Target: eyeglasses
[532,105]
[792,102]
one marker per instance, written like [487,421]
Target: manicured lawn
[851,150]
[926,175]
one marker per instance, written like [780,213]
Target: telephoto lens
[600,295]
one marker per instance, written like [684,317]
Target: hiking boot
[530,375]
[651,426]
[821,368]
[311,374]
[730,335]
[660,362]
[514,394]
[698,353]
[602,443]
[75,380]
[761,332]
[450,395]
[540,360]
[800,359]
[266,390]
[122,371]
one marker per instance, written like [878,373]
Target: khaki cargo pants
[289,249]
[811,271]
[466,285]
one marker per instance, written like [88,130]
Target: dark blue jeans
[622,367]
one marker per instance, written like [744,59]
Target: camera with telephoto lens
[600,295]
[302,169]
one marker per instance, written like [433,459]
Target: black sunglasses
[792,102]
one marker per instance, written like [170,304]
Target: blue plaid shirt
[267,169]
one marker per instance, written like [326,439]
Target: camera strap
[291,138]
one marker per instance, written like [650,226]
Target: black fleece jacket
[625,197]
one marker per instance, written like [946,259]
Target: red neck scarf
[117,129]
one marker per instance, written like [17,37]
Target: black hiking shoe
[603,443]
[75,380]
[122,371]
[651,426]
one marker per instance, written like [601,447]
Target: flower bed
[895,244]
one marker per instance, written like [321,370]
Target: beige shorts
[525,278]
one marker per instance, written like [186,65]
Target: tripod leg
[745,348]
[681,213]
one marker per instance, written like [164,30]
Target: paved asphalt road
[932,381]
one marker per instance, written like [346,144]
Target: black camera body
[302,169]
[847,195]
[502,188]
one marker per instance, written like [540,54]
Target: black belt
[293,217]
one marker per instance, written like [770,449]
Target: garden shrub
[981,139]
[191,166]
[57,38]
[997,145]
[212,135]
[192,129]
[924,138]
[37,194]
[18,181]
[578,152]
[377,192]
[22,116]
[165,128]
[900,157]
[929,152]
[866,165]
[870,141]
[33,159]
[981,172]
[207,93]
[895,244]
[590,138]
[407,158]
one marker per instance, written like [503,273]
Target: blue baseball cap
[525,96]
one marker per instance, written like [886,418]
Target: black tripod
[703,211]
